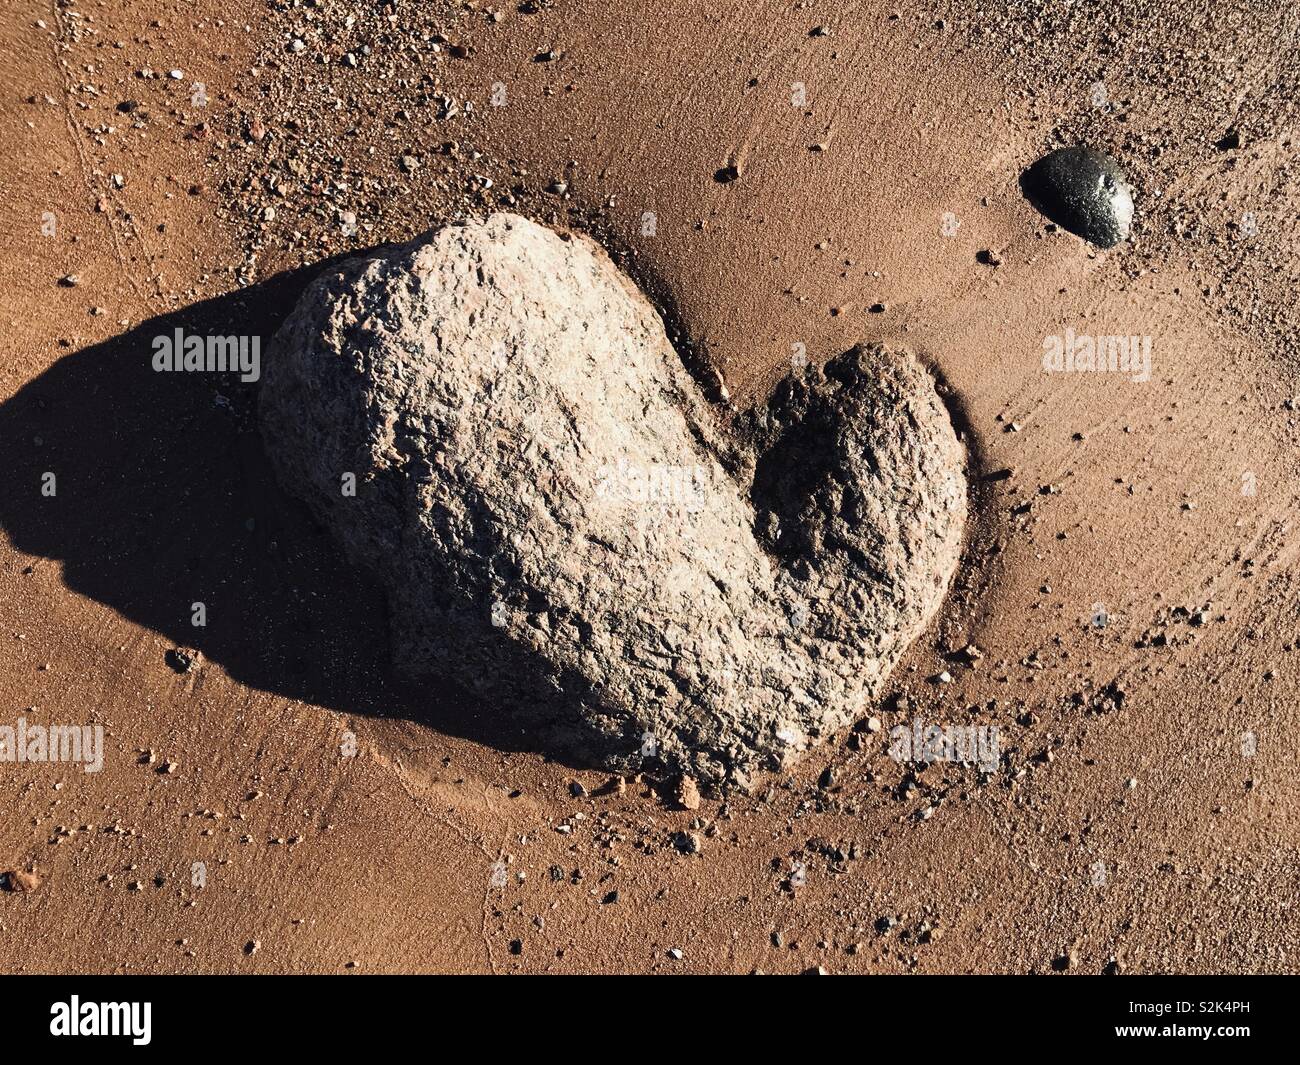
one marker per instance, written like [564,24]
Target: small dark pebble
[687,842]
[1230,141]
[726,175]
[181,660]
[1084,191]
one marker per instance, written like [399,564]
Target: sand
[275,783]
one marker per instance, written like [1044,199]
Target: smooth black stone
[1084,191]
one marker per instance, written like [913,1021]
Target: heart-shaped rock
[492,420]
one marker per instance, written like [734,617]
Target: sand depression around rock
[560,523]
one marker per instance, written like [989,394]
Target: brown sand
[1130,832]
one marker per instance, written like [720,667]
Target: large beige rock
[560,523]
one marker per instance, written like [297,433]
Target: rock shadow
[164,497]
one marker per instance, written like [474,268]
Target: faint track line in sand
[410,786]
[487,895]
[84,160]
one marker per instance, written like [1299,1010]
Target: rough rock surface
[560,523]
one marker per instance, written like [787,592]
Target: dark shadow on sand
[165,498]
